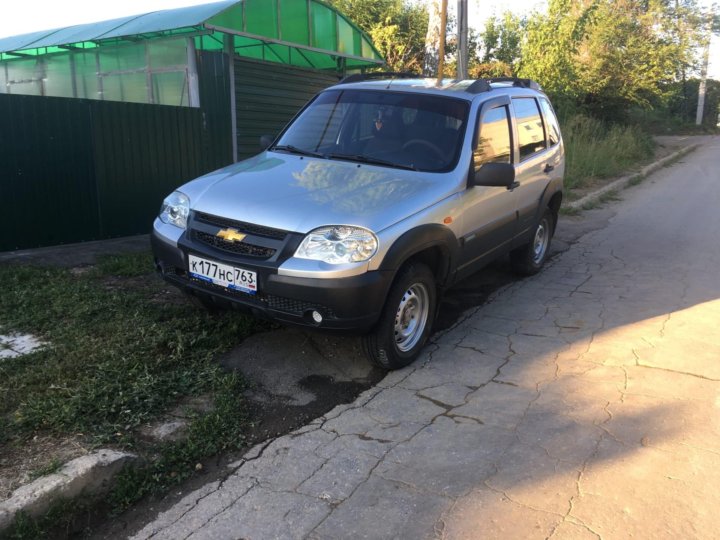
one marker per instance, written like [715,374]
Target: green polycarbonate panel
[367,50]
[58,75]
[212,42]
[324,25]
[294,21]
[157,21]
[170,88]
[25,76]
[346,38]
[86,80]
[172,52]
[230,18]
[248,47]
[304,23]
[277,53]
[319,60]
[129,87]
[262,18]
[122,58]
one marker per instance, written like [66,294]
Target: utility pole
[702,88]
[462,47]
[441,48]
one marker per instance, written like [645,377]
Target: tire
[529,259]
[405,321]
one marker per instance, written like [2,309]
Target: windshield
[413,131]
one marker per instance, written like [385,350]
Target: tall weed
[596,149]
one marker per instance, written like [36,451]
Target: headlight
[175,209]
[338,244]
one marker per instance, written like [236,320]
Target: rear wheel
[405,321]
[529,259]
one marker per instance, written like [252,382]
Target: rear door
[489,213]
[540,160]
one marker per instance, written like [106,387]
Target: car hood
[298,193]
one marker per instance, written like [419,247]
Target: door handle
[548,168]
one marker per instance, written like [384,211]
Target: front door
[489,213]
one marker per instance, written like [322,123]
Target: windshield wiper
[371,160]
[296,150]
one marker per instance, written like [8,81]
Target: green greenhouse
[237,69]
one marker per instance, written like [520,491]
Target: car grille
[296,307]
[247,228]
[239,248]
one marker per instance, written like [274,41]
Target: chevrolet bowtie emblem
[231,235]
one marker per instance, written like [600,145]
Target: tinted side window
[531,136]
[551,122]
[494,138]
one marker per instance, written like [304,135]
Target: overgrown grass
[121,350]
[595,149]
[118,354]
[660,122]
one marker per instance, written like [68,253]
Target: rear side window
[531,135]
[553,129]
[494,138]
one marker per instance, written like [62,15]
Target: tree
[551,46]
[609,55]
[396,27]
[432,40]
[501,38]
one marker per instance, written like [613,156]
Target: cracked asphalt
[581,403]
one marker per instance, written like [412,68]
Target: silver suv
[380,194]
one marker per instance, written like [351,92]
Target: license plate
[224,275]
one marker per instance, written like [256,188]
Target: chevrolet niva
[381,193]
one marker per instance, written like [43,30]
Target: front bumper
[350,304]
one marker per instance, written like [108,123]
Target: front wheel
[406,319]
[529,259]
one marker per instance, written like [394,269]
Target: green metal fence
[74,170]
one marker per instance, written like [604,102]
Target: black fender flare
[545,197]
[419,239]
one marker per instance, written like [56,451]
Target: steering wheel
[427,144]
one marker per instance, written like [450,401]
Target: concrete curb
[86,475]
[624,181]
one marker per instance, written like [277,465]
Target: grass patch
[60,521]
[118,354]
[52,467]
[595,149]
[123,348]
[125,265]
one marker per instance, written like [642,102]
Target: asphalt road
[581,403]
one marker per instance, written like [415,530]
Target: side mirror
[495,175]
[265,141]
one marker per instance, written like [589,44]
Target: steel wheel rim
[411,317]
[541,241]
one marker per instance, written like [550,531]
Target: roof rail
[483,85]
[358,77]
[524,83]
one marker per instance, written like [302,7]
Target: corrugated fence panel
[144,152]
[47,189]
[215,98]
[74,170]
[268,96]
